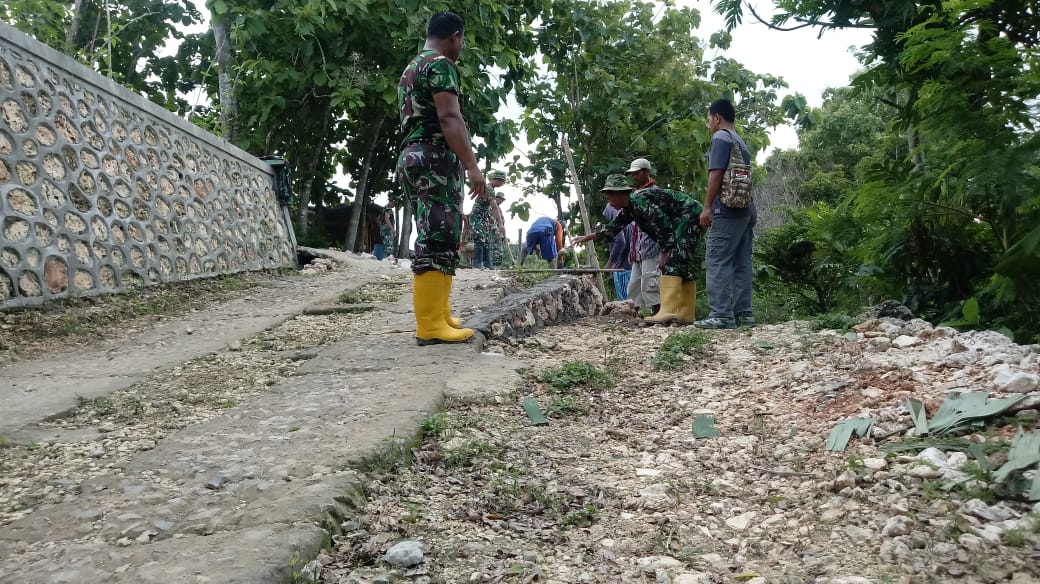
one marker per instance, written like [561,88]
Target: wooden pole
[590,248]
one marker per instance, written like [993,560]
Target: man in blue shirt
[618,257]
[545,235]
[728,250]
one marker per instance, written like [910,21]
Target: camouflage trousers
[683,256]
[498,250]
[432,177]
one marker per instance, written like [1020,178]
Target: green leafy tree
[630,79]
[121,39]
[955,213]
[315,81]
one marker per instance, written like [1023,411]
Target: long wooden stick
[569,270]
[590,250]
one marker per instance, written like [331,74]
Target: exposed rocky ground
[617,489]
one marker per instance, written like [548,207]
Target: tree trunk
[357,211]
[225,64]
[308,168]
[73,29]
[406,229]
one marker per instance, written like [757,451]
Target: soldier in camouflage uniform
[387,234]
[498,237]
[435,152]
[672,219]
[482,227]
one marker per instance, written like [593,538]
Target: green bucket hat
[497,174]
[616,183]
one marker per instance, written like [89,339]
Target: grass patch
[1015,537]
[397,453]
[564,405]
[467,453]
[351,296]
[98,406]
[674,350]
[442,423]
[575,374]
[833,320]
[530,274]
[583,517]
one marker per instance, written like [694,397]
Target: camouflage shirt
[430,72]
[669,217]
[482,221]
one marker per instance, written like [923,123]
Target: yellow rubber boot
[448,318]
[671,302]
[689,302]
[428,298]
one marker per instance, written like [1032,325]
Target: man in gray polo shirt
[728,249]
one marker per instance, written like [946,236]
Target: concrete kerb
[554,301]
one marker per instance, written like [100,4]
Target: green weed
[1015,537]
[397,453]
[574,374]
[564,405]
[467,453]
[583,517]
[674,349]
[833,320]
[442,422]
[351,296]
[100,406]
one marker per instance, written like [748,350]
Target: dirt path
[617,488]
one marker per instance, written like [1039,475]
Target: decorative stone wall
[102,190]
[554,301]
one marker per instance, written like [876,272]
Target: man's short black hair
[443,24]
[723,108]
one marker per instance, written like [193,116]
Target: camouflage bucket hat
[616,183]
[497,174]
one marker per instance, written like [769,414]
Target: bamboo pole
[590,250]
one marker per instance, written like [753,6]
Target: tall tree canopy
[122,39]
[631,79]
[956,214]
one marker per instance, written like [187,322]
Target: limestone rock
[619,308]
[742,521]
[366,576]
[933,456]
[405,554]
[905,341]
[986,512]
[897,525]
[1015,381]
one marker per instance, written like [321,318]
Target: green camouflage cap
[617,183]
[497,174]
